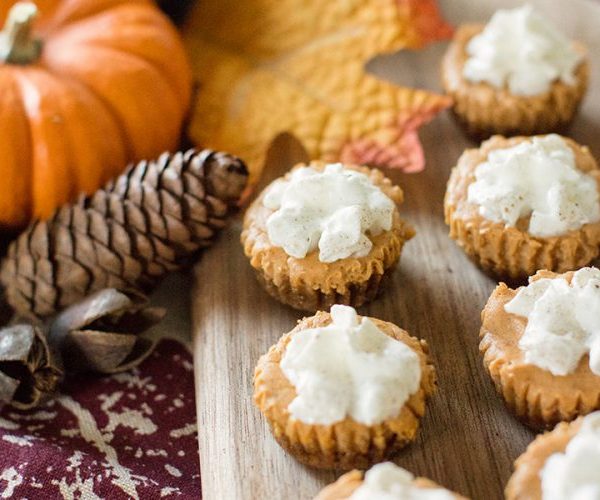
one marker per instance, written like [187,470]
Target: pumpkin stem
[17,45]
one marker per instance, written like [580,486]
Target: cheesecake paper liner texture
[484,110]
[346,444]
[511,252]
[310,285]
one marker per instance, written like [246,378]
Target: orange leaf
[267,67]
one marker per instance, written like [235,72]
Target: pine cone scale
[155,219]
[37,245]
[194,188]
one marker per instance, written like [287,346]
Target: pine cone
[151,220]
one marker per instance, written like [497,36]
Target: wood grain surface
[468,440]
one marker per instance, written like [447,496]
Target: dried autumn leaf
[268,67]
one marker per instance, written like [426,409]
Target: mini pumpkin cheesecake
[523,204]
[541,346]
[517,75]
[341,391]
[386,481]
[325,234]
[561,464]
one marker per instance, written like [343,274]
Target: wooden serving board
[468,440]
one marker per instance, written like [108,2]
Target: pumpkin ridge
[96,44]
[123,135]
[25,85]
[17,185]
[66,13]
[78,104]
[169,103]
[75,85]
[153,20]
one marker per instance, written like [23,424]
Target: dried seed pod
[30,370]
[101,333]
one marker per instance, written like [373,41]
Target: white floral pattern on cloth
[126,436]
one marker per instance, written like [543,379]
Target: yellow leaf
[266,67]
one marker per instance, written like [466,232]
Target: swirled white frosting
[575,474]
[334,210]
[563,321]
[349,368]
[387,481]
[537,178]
[521,49]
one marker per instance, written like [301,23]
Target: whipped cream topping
[521,49]
[563,321]
[387,481]
[537,178]
[349,368]
[575,474]
[334,210]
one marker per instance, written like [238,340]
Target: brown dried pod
[30,370]
[101,333]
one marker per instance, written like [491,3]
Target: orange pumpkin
[85,88]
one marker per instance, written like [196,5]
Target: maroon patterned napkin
[130,435]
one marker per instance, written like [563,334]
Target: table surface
[468,440]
